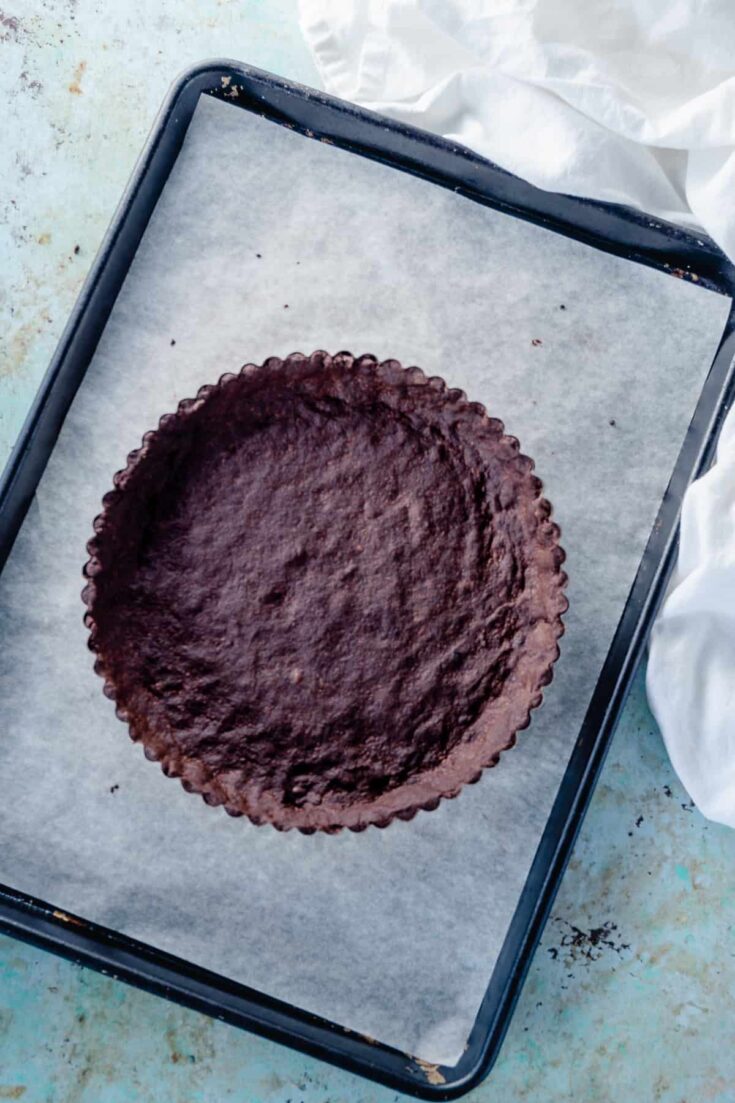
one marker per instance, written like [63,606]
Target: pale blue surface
[631,995]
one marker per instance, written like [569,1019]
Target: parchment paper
[265,242]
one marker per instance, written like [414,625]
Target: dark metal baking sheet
[611,229]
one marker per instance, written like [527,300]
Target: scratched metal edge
[642,240]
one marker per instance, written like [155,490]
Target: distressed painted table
[631,995]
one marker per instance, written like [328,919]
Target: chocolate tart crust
[326,592]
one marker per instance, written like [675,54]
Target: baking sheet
[265,242]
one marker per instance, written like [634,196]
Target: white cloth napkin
[691,663]
[630,101]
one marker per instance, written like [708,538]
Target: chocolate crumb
[114,788]
[639,821]
[173,342]
[536,342]
[561,306]
[76,250]
[612,422]
[259,256]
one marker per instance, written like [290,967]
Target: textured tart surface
[326,592]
